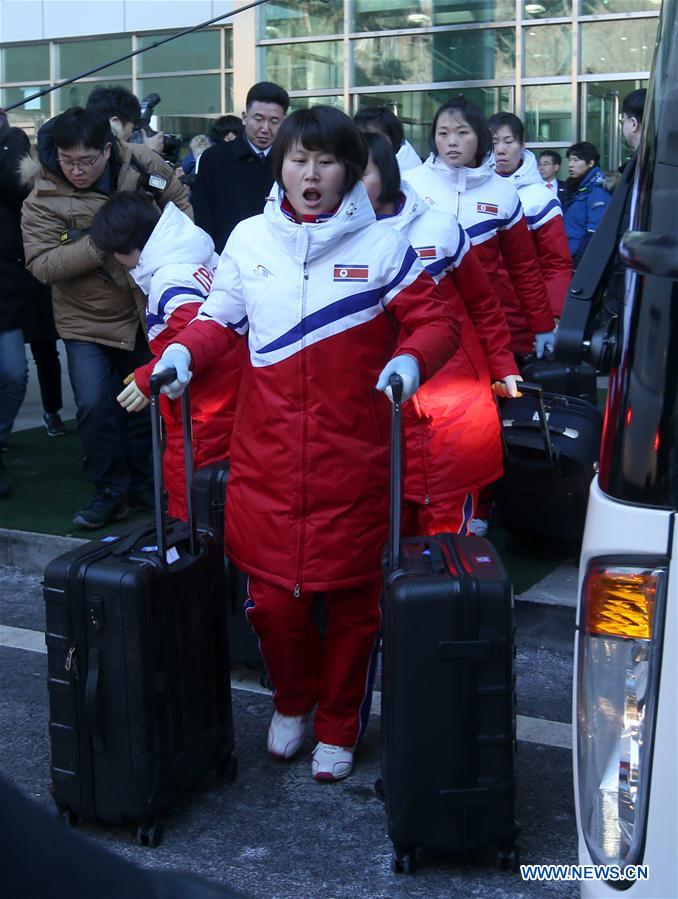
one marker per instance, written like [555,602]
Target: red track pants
[336,673]
[450,517]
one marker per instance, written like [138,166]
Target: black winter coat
[231,185]
[14,279]
[24,302]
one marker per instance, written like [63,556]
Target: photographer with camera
[100,314]
[129,121]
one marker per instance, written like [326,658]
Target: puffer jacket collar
[410,210]
[526,173]
[461,178]
[49,158]
[305,241]
[174,240]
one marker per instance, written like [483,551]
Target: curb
[31,551]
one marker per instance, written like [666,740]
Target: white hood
[461,178]
[175,239]
[526,173]
[407,157]
[307,241]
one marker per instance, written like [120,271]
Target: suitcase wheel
[508,859]
[149,834]
[67,815]
[228,769]
[379,788]
[404,860]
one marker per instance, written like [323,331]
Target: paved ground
[275,833]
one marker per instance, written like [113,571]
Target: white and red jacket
[407,157]
[453,442]
[544,217]
[325,305]
[175,271]
[490,211]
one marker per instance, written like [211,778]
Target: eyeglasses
[83,165]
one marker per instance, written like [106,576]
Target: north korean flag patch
[351,272]
[425,252]
[487,208]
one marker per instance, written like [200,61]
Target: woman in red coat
[453,441]
[332,304]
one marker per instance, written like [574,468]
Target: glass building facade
[563,66]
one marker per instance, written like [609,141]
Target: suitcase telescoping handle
[396,384]
[158,381]
[536,391]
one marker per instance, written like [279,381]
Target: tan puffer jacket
[94,298]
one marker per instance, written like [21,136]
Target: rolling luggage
[578,381]
[211,483]
[448,693]
[551,448]
[138,673]
[210,493]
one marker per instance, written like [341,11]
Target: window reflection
[192,52]
[444,56]
[300,18]
[73,57]
[380,15]
[188,95]
[548,113]
[624,45]
[543,9]
[301,67]
[23,64]
[548,50]
[597,7]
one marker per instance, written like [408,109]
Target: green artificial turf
[49,486]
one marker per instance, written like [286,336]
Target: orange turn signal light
[620,601]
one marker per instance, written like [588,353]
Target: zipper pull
[305,272]
[71,663]
[297,591]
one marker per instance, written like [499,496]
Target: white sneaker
[331,763]
[286,734]
[478,526]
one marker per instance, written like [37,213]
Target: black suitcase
[138,673]
[211,483]
[551,448]
[210,502]
[448,694]
[578,381]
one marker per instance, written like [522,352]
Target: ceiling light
[534,9]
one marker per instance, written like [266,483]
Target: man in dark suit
[235,178]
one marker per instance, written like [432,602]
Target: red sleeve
[207,341]
[520,260]
[428,329]
[176,323]
[550,242]
[487,315]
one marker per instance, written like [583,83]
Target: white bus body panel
[615,528]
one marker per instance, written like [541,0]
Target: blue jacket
[584,210]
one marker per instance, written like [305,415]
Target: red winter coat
[489,209]
[544,217]
[325,306]
[175,271]
[453,442]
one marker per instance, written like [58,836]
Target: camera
[172,143]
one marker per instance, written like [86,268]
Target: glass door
[603,105]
